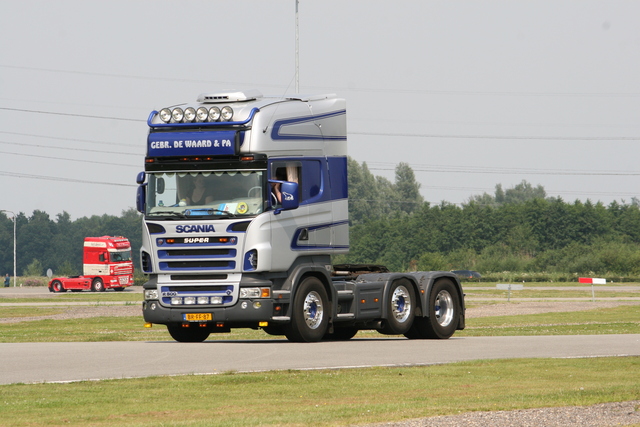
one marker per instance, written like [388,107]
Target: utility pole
[297,52]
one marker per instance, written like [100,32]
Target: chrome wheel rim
[313,310]
[444,309]
[401,304]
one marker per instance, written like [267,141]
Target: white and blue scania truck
[245,200]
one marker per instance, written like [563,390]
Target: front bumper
[244,313]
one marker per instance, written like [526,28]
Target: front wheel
[401,302]
[444,313]
[57,286]
[190,334]
[97,285]
[309,313]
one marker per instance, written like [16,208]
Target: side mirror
[289,192]
[141,177]
[141,197]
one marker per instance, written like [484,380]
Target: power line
[56,178]
[135,77]
[67,139]
[333,88]
[71,160]
[73,149]
[517,137]
[504,171]
[411,135]
[392,134]
[71,115]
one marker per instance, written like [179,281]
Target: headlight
[177,115]
[214,114]
[249,292]
[189,114]
[226,113]
[151,294]
[176,301]
[255,292]
[203,300]
[165,115]
[189,300]
[202,114]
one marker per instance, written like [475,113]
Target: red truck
[106,264]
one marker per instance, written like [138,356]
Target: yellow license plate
[197,317]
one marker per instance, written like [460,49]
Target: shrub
[34,281]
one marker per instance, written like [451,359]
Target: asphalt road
[54,362]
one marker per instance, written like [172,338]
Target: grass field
[323,398]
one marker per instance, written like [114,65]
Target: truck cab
[106,264]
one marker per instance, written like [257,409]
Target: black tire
[309,313]
[341,334]
[56,286]
[193,333]
[401,308]
[97,285]
[118,289]
[274,329]
[444,313]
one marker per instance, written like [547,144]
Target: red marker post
[593,281]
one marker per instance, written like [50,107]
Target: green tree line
[44,243]
[516,229]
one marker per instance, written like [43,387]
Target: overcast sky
[468,93]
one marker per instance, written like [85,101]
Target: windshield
[188,194]
[120,256]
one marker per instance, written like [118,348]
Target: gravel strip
[83,312]
[483,310]
[602,415]
[518,308]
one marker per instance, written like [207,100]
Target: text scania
[205,228]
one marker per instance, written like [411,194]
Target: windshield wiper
[169,214]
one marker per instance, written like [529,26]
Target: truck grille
[198,264]
[207,253]
[196,253]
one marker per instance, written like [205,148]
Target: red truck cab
[106,265]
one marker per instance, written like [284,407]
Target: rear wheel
[401,302]
[57,286]
[444,313]
[309,313]
[97,285]
[190,334]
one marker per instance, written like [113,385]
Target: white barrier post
[593,281]
[508,287]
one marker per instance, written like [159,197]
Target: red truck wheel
[97,285]
[57,286]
